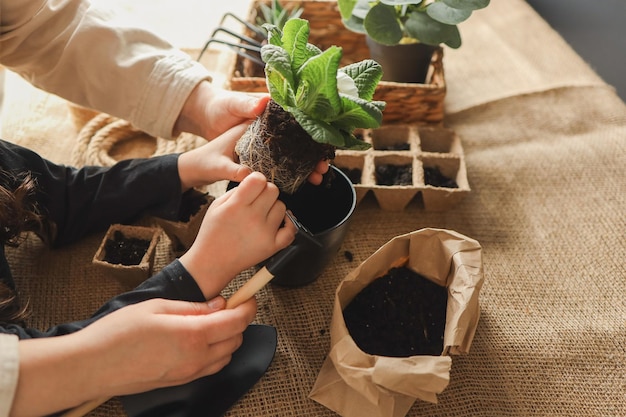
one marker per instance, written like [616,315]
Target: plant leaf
[351,142]
[320,73]
[320,131]
[357,113]
[346,7]
[366,75]
[443,13]
[294,39]
[467,4]
[274,34]
[429,31]
[279,60]
[382,24]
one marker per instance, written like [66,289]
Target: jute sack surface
[547,208]
[546,168]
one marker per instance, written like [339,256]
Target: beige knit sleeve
[9,369]
[99,59]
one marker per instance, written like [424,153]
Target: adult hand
[241,228]
[152,344]
[210,111]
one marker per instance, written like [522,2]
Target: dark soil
[190,204]
[354,174]
[400,314]
[387,174]
[125,250]
[288,151]
[434,177]
[403,146]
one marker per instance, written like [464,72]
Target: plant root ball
[278,147]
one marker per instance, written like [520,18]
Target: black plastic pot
[324,210]
[405,63]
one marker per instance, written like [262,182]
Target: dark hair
[18,214]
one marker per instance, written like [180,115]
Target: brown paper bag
[353,383]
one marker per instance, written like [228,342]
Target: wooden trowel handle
[247,290]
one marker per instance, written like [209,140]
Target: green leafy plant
[315,107]
[329,102]
[392,22]
[275,14]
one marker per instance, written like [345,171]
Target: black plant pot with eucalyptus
[403,34]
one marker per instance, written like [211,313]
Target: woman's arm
[95,57]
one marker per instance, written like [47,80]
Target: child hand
[215,161]
[241,228]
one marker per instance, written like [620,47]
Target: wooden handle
[247,290]
[84,408]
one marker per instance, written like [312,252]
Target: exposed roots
[277,146]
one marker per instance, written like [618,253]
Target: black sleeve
[80,201]
[172,282]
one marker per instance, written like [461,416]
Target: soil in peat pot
[125,250]
[190,204]
[353,174]
[388,174]
[400,314]
[434,177]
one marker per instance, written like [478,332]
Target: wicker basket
[406,102]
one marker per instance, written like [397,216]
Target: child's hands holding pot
[241,228]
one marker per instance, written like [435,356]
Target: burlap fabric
[545,144]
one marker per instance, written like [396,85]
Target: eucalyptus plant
[392,22]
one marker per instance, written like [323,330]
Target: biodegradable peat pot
[402,63]
[127,253]
[325,210]
[354,383]
[183,231]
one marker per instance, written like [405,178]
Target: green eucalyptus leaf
[401,2]
[354,24]
[467,4]
[454,38]
[382,25]
[366,75]
[427,30]
[443,13]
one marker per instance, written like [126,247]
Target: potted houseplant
[314,109]
[404,30]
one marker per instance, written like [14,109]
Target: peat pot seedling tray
[407,162]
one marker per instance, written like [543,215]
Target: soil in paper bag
[400,314]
